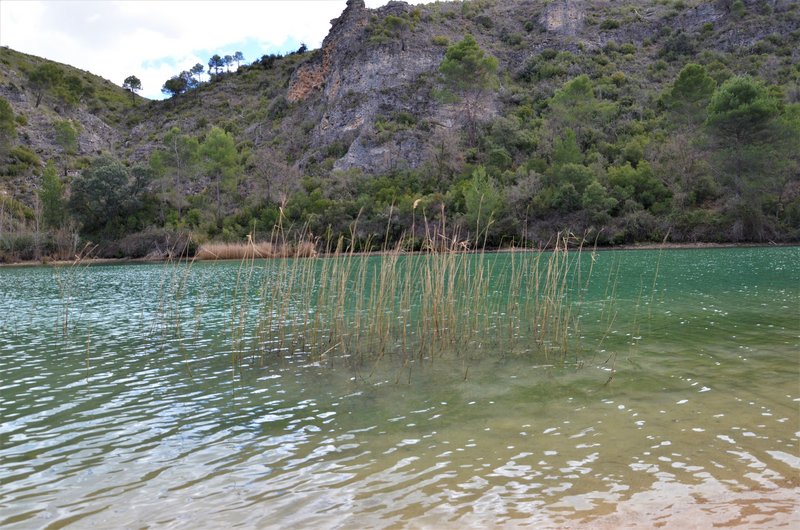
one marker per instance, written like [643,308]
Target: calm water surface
[119,408]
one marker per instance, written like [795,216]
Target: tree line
[708,156]
[190,79]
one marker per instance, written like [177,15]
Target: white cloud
[115,39]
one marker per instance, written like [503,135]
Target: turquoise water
[120,407]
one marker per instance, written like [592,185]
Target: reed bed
[251,250]
[445,301]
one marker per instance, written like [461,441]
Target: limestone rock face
[563,16]
[313,76]
[372,97]
[38,134]
[358,80]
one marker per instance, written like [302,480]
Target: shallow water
[686,415]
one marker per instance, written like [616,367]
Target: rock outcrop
[357,80]
[369,98]
[564,17]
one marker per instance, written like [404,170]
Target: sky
[156,39]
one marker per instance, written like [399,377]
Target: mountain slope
[580,125]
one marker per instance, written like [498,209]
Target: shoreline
[634,246]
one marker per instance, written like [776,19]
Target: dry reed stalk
[444,300]
[66,278]
[251,250]
[172,289]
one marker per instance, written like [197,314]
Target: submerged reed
[67,279]
[445,301]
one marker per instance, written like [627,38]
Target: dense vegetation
[665,133]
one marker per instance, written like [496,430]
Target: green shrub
[548,54]
[737,9]
[23,160]
[389,29]
[609,23]
[485,20]
[512,39]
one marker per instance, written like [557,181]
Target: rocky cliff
[375,64]
[357,79]
[371,102]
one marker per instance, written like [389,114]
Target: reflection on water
[125,421]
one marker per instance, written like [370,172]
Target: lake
[151,396]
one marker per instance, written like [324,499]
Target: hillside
[502,121]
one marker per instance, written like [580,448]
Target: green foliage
[576,175]
[221,164]
[597,137]
[678,46]
[485,21]
[197,70]
[574,106]
[514,135]
[627,48]
[216,63]
[387,127]
[133,84]
[742,110]
[66,136]
[105,198]
[499,159]
[544,66]
[67,139]
[8,127]
[389,29]
[638,188]
[175,85]
[566,150]
[71,90]
[469,73]
[21,161]
[466,67]
[690,93]
[278,108]
[609,23]
[173,164]
[633,150]
[564,186]
[25,156]
[483,202]
[51,195]
[577,91]
[45,77]
[738,9]
[512,39]
[755,148]
[597,203]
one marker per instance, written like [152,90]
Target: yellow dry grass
[248,250]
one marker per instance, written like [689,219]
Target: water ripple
[123,420]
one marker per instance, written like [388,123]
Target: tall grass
[251,250]
[445,301]
[67,278]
